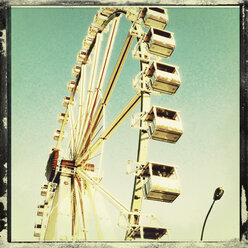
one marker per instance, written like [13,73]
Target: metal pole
[109,196]
[141,158]
[206,219]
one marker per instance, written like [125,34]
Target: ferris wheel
[72,177]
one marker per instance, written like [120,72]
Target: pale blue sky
[44,45]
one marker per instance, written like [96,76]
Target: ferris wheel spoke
[97,132]
[86,106]
[93,208]
[117,121]
[102,150]
[102,74]
[71,121]
[102,190]
[98,93]
[78,123]
[109,90]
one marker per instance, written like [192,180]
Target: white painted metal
[108,195]
[97,91]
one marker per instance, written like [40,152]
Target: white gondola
[163,78]
[93,30]
[155,17]
[146,227]
[99,19]
[164,124]
[87,42]
[107,11]
[40,210]
[44,186]
[148,232]
[82,56]
[66,101]
[71,85]
[76,70]
[161,182]
[57,134]
[61,118]
[160,42]
[37,232]
[44,189]
[37,226]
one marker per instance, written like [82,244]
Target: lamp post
[217,195]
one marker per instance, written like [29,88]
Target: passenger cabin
[163,78]
[37,226]
[66,101]
[57,134]
[71,85]
[164,124]
[61,118]
[44,189]
[155,17]
[99,19]
[37,230]
[160,42]
[161,182]
[40,210]
[148,232]
[76,70]
[88,41]
[82,56]
[107,11]
[93,30]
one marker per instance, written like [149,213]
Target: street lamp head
[218,193]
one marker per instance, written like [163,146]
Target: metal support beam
[109,196]
[109,89]
[141,158]
[117,121]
